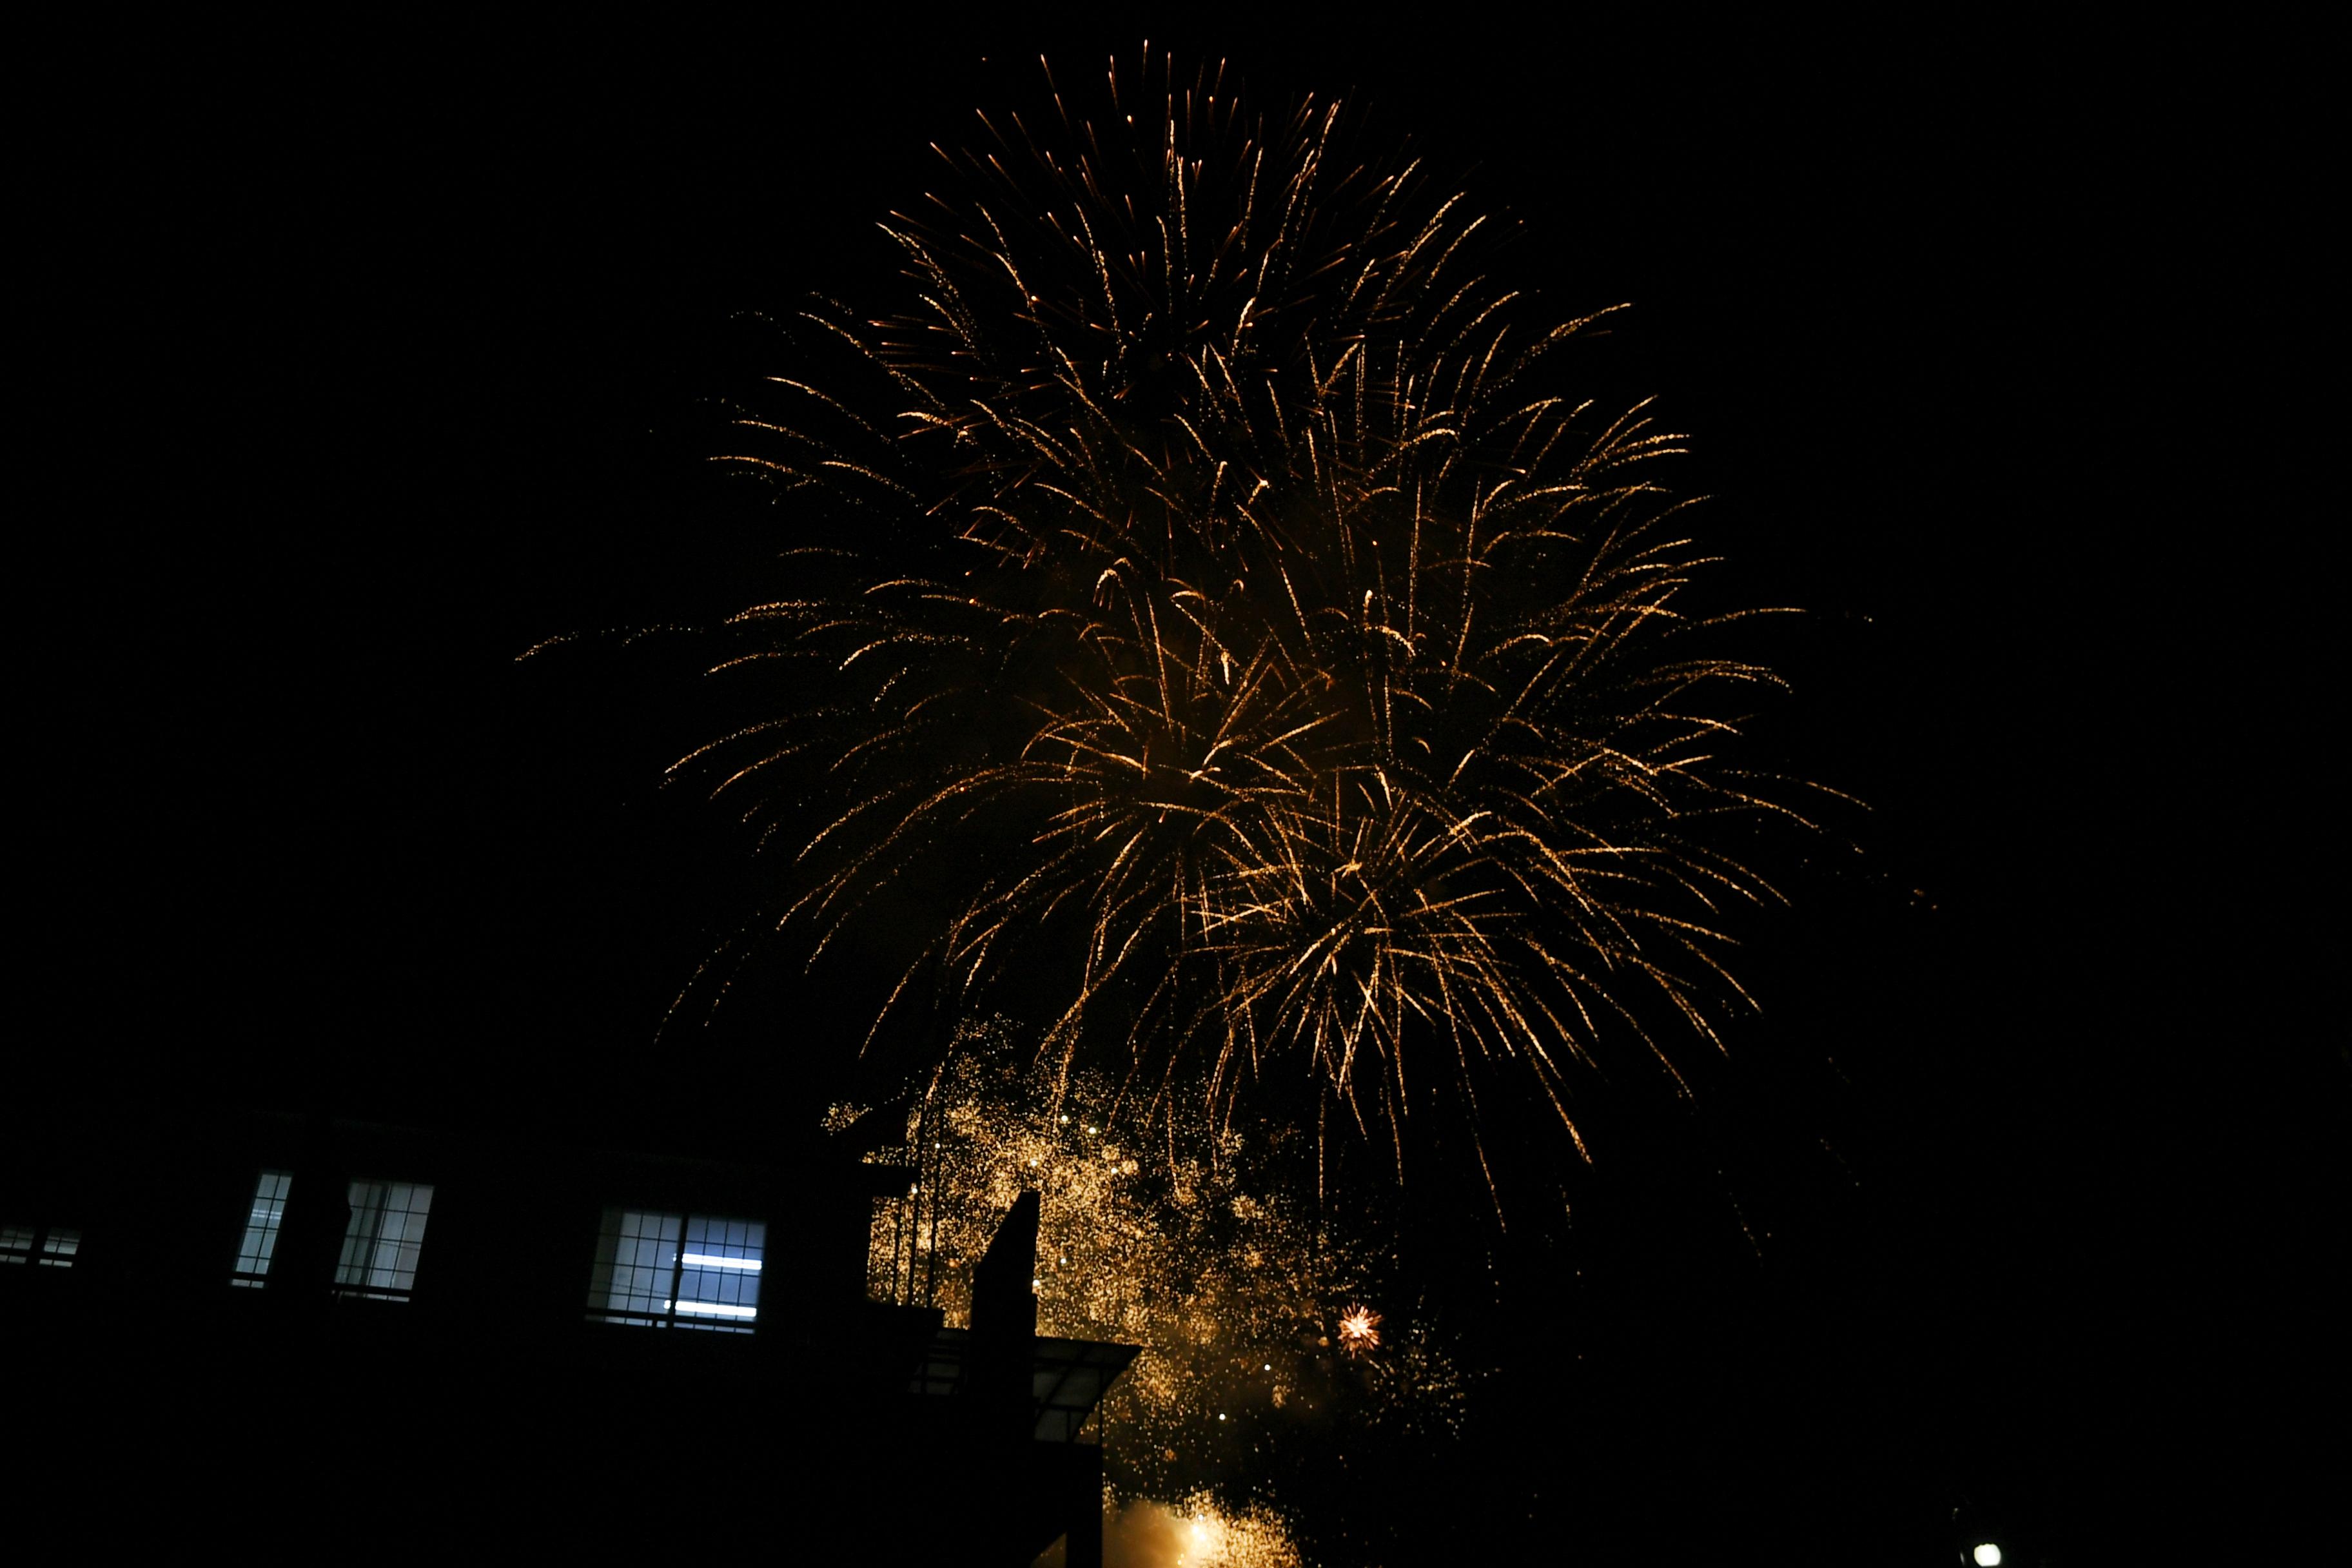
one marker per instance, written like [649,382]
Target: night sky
[351,381]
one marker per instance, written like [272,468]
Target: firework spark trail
[1205,583]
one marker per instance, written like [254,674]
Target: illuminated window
[676,1271]
[51,1248]
[382,1243]
[261,1229]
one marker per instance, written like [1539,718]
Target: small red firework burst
[1359,1329]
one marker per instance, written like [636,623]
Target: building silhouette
[293,1338]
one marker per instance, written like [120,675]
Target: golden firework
[1206,601]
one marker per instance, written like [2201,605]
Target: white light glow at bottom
[1986,1555]
[715,1310]
[704,1260]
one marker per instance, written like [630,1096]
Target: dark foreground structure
[302,1340]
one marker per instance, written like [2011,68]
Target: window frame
[40,1245]
[726,1254]
[365,1239]
[265,1221]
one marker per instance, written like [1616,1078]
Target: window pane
[636,1259]
[260,1242]
[382,1244]
[718,1280]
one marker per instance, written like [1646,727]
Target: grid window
[53,1248]
[261,1224]
[675,1270]
[382,1243]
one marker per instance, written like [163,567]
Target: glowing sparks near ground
[1194,1533]
[1229,1283]
[1204,590]
[1236,1294]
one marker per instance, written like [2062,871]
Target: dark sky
[353,378]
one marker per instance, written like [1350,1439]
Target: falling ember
[1360,1331]
[1200,585]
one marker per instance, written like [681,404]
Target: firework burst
[1359,1329]
[1204,599]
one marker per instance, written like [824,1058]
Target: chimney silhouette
[1004,1289]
